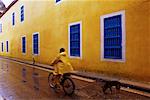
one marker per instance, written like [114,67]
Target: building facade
[102,36]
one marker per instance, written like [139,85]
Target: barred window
[57,1]
[24,44]
[75,40]
[7,46]
[36,43]
[22,13]
[2,46]
[113,36]
[0,28]
[13,19]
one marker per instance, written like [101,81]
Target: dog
[110,84]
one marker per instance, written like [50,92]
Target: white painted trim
[58,2]
[38,43]
[25,44]
[123,35]
[74,23]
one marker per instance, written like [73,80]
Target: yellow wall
[52,20]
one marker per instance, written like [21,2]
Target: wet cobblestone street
[12,86]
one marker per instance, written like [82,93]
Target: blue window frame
[13,19]
[113,37]
[58,1]
[75,40]
[2,46]
[35,43]
[22,13]
[7,46]
[23,44]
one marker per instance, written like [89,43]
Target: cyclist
[62,65]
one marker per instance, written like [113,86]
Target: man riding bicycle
[62,65]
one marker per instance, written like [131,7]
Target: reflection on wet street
[23,82]
[18,81]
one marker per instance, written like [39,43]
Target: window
[75,39]
[35,43]
[22,13]
[58,1]
[13,19]
[6,46]
[113,36]
[0,28]
[24,44]
[2,46]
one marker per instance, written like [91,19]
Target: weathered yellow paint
[51,21]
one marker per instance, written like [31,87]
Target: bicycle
[65,82]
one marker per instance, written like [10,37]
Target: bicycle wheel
[51,80]
[68,86]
